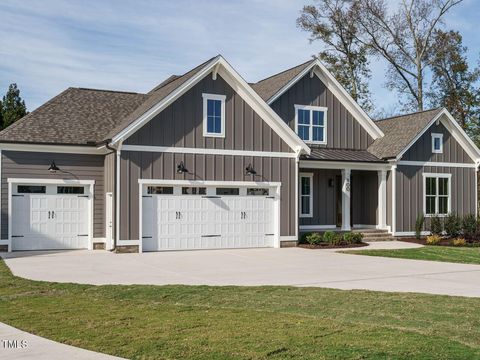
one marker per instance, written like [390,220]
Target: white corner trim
[394,198]
[203,151]
[50,181]
[64,149]
[242,88]
[436,164]
[439,137]
[310,196]
[220,98]
[311,125]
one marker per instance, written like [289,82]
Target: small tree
[13,107]
[453,225]
[419,226]
[436,226]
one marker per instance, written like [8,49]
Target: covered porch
[343,190]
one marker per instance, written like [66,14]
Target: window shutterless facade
[213,115]
[436,194]
[306,195]
[437,143]
[311,123]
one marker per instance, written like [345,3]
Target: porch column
[346,200]
[382,199]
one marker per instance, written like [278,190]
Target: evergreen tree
[13,107]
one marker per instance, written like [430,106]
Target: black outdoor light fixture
[249,170]
[181,168]
[53,168]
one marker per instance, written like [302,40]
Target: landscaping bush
[328,236]
[314,238]
[436,226]
[303,238]
[453,225]
[336,240]
[353,238]
[419,226]
[469,225]
[459,242]
[433,240]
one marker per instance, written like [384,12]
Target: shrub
[419,226]
[436,226]
[314,238]
[328,236]
[452,225]
[459,242]
[469,225]
[303,238]
[337,239]
[433,240]
[353,238]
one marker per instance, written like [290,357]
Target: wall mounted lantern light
[181,168]
[249,170]
[53,168]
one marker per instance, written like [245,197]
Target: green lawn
[200,322]
[464,255]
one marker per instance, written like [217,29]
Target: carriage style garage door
[46,217]
[207,217]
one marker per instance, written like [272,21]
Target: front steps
[375,235]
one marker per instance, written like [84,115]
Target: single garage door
[48,217]
[186,217]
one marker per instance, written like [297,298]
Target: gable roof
[273,87]
[76,116]
[163,96]
[399,132]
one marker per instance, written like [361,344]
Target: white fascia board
[436,164]
[49,181]
[334,86]
[65,149]
[314,164]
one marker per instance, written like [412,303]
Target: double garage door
[47,217]
[199,217]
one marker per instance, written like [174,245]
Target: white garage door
[47,217]
[183,218]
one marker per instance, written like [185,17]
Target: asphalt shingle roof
[350,155]
[399,132]
[75,116]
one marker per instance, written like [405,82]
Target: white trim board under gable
[446,119]
[340,93]
[240,86]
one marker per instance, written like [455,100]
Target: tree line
[12,107]
[427,63]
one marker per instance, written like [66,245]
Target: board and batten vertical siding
[410,192]
[148,165]
[452,150]
[364,201]
[181,123]
[343,130]
[34,165]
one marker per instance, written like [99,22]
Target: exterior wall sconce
[330,182]
[181,168]
[249,170]
[53,168]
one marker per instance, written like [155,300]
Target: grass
[464,255]
[200,322]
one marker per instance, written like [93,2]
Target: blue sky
[47,46]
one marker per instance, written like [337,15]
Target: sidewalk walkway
[16,344]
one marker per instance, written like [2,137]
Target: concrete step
[369,231]
[390,238]
[374,235]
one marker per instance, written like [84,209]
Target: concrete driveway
[291,266]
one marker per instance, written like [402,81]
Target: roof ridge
[408,114]
[107,90]
[284,71]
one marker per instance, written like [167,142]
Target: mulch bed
[329,246]
[443,242]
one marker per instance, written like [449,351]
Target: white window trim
[449,202]
[310,134]
[440,137]
[222,98]
[310,176]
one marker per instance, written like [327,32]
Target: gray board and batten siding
[181,125]
[22,164]
[343,130]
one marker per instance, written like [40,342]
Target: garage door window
[228,191]
[194,191]
[257,192]
[70,190]
[160,190]
[31,189]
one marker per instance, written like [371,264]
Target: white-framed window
[306,195]
[311,123]
[436,194]
[213,115]
[437,143]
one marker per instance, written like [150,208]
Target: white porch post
[346,199]
[382,199]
